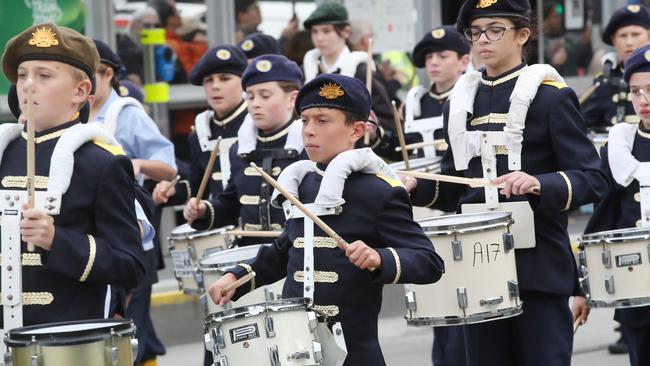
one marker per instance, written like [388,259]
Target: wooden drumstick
[255,234]
[247,277]
[172,184]
[369,64]
[208,169]
[31,149]
[585,96]
[417,145]
[400,136]
[340,242]
[576,325]
[472,182]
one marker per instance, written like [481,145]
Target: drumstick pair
[472,182]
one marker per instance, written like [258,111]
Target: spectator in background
[194,42]
[569,55]
[247,18]
[170,20]
[128,45]
[296,46]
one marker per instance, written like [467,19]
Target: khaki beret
[49,42]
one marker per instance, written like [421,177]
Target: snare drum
[426,165]
[276,333]
[102,342]
[598,137]
[614,267]
[187,246]
[480,280]
[213,266]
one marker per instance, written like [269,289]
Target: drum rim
[471,319]
[498,218]
[242,312]
[615,236]
[214,267]
[435,160]
[17,338]
[198,234]
[621,303]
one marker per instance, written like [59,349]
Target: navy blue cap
[440,39]
[473,9]
[129,89]
[639,61]
[628,15]
[335,91]
[108,57]
[271,68]
[258,44]
[226,59]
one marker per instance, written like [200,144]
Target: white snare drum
[598,137]
[102,342]
[213,266]
[276,333]
[480,280]
[187,246]
[614,267]
[420,164]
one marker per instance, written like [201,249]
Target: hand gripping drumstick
[576,325]
[472,182]
[400,135]
[247,277]
[208,171]
[172,184]
[31,150]
[340,242]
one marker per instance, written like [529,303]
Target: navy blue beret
[639,61]
[473,9]
[440,39]
[258,44]
[335,91]
[271,68]
[129,89]
[226,59]
[627,15]
[106,55]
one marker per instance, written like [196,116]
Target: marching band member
[94,241]
[259,44]
[376,220]
[271,139]
[627,30]
[219,72]
[629,144]
[444,53]
[544,146]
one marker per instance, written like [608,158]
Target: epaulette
[391,181]
[556,84]
[113,149]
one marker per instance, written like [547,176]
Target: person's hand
[291,29]
[215,289]
[163,191]
[37,228]
[363,256]
[194,209]
[559,57]
[580,309]
[518,183]
[371,130]
[410,183]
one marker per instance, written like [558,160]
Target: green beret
[49,42]
[327,13]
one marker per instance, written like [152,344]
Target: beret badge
[633,8]
[223,54]
[247,45]
[43,38]
[485,3]
[331,91]
[438,33]
[263,65]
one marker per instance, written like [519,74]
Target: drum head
[290,304]
[415,164]
[230,257]
[181,232]
[68,333]
[614,236]
[463,221]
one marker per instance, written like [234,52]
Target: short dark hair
[520,23]
[351,117]
[288,86]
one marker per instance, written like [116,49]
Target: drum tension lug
[268,325]
[218,340]
[582,258]
[411,302]
[508,241]
[274,356]
[513,290]
[221,360]
[457,248]
[584,285]
[318,352]
[609,284]
[304,355]
[607,258]
[492,301]
[312,321]
[461,294]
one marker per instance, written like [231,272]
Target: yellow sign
[43,38]
[331,91]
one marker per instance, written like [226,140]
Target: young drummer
[627,30]
[94,241]
[444,53]
[219,72]
[628,145]
[272,140]
[259,44]
[376,220]
[538,141]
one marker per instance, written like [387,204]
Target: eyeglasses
[492,33]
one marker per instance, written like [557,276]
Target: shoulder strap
[113,111]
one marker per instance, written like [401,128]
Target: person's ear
[464,61]
[522,36]
[81,92]
[358,130]
[292,99]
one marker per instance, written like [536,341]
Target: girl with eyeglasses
[537,149]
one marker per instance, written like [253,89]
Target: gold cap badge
[634,8]
[485,3]
[331,91]
[124,91]
[223,54]
[263,65]
[646,55]
[247,45]
[438,33]
[43,38]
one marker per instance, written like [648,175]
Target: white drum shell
[487,272]
[419,164]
